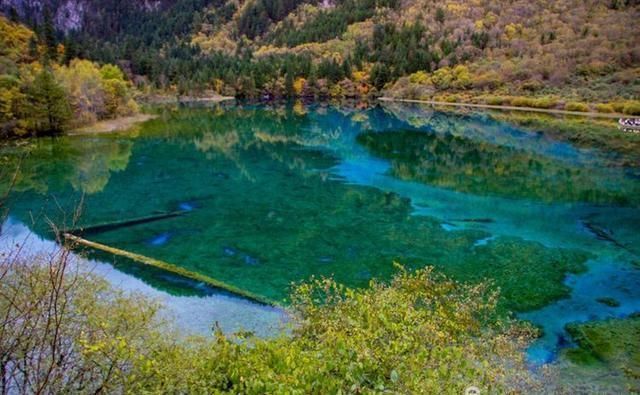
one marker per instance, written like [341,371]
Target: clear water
[277,194]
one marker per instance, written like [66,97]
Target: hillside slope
[558,50]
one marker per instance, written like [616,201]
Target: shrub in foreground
[420,333]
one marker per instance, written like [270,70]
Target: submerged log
[106,226]
[168,267]
[602,234]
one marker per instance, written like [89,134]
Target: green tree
[49,108]
[288,85]
[33,47]
[440,15]
[70,50]
[49,33]
[380,75]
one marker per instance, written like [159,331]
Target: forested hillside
[43,90]
[539,53]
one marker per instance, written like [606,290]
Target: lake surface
[276,194]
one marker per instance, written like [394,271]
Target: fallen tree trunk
[106,226]
[171,269]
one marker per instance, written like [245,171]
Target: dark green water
[278,194]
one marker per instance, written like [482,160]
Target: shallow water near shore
[275,194]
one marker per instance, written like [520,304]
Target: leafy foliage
[575,50]
[39,96]
[418,334]
[48,106]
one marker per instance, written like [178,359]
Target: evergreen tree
[49,37]
[33,48]
[288,85]
[440,16]
[49,106]
[380,75]
[70,50]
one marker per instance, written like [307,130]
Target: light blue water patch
[186,206]
[606,278]
[277,208]
[448,227]
[484,242]
[160,239]
[558,224]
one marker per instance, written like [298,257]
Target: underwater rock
[363,275]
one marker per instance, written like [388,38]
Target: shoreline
[589,114]
[112,125]
[188,99]
[191,315]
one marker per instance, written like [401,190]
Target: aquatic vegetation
[271,195]
[282,216]
[608,301]
[614,344]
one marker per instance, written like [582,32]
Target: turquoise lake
[275,194]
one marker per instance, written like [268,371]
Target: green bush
[605,107]
[576,106]
[520,101]
[619,106]
[419,333]
[494,100]
[544,102]
[631,108]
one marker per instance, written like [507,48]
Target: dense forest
[576,55]
[44,91]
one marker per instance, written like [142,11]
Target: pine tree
[70,50]
[49,106]
[380,75]
[33,48]
[288,85]
[49,37]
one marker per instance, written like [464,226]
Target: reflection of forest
[86,164]
[484,168]
[265,210]
[601,138]
[235,131]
